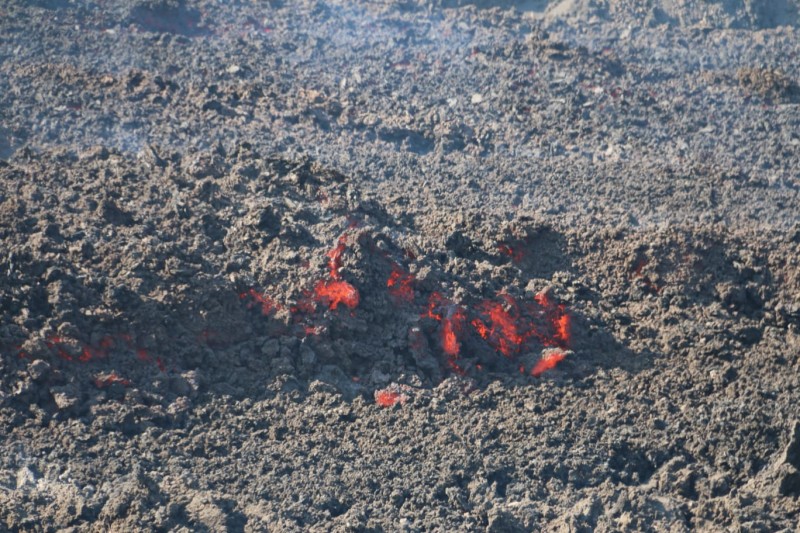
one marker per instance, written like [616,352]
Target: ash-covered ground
[400,266]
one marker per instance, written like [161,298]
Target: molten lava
[562,325]
[56,343]
[305,305]
[548,361]
[335,258]
[333,293]
[558,320]
[103,381]
[507,325]
[388,398]
[401,284]
[452,323]
[268,305]
[312,330]
[513,252]
[503,332]
[336,291]
[450,343]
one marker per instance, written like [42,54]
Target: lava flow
[103,381]
[336,291]
[559,320]
[452,320]
[335,257]
[74,352]
[503,331]
[548,361]
[401,284]
[332,293]
[514,252]
[509,326]
[268,305]
[388,398]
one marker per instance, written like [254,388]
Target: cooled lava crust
[408,266]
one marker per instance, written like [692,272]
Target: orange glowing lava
[548,362]
[542,299]
[335,258]
[312,330]
[452,318]
[401,284]
[88,353]
[558,319]
[55,343]
[513,252]
[106,380]
[449,338]
[387,398]
[503,331]
[305,305]
[268,305]
[562,324]
[333,293]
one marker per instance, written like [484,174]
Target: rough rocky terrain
[402,266]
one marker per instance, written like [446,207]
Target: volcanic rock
[65,397]
[38,369]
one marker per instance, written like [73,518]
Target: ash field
[399,266]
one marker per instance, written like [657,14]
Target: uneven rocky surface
[413,265]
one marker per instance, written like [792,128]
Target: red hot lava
[330,293]
[562,324]
[452,318]
[513,252]
[388,398]
[548,361]
[101,350]
[401,284]
[268,305]
[103,381]
[336,291]
[506,328]
[335,257]
[504,325]
[559,320]
[333,293]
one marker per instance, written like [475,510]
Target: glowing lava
[562,325]
[388,398]
[450,343]
[503,331]
[401,284]
[56,343]
[335,258]
[548,361]
[558,319]
[452,318]
[333,293]
[88,353]
[513,252]
[336,291]
[268,305]
[103,381]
